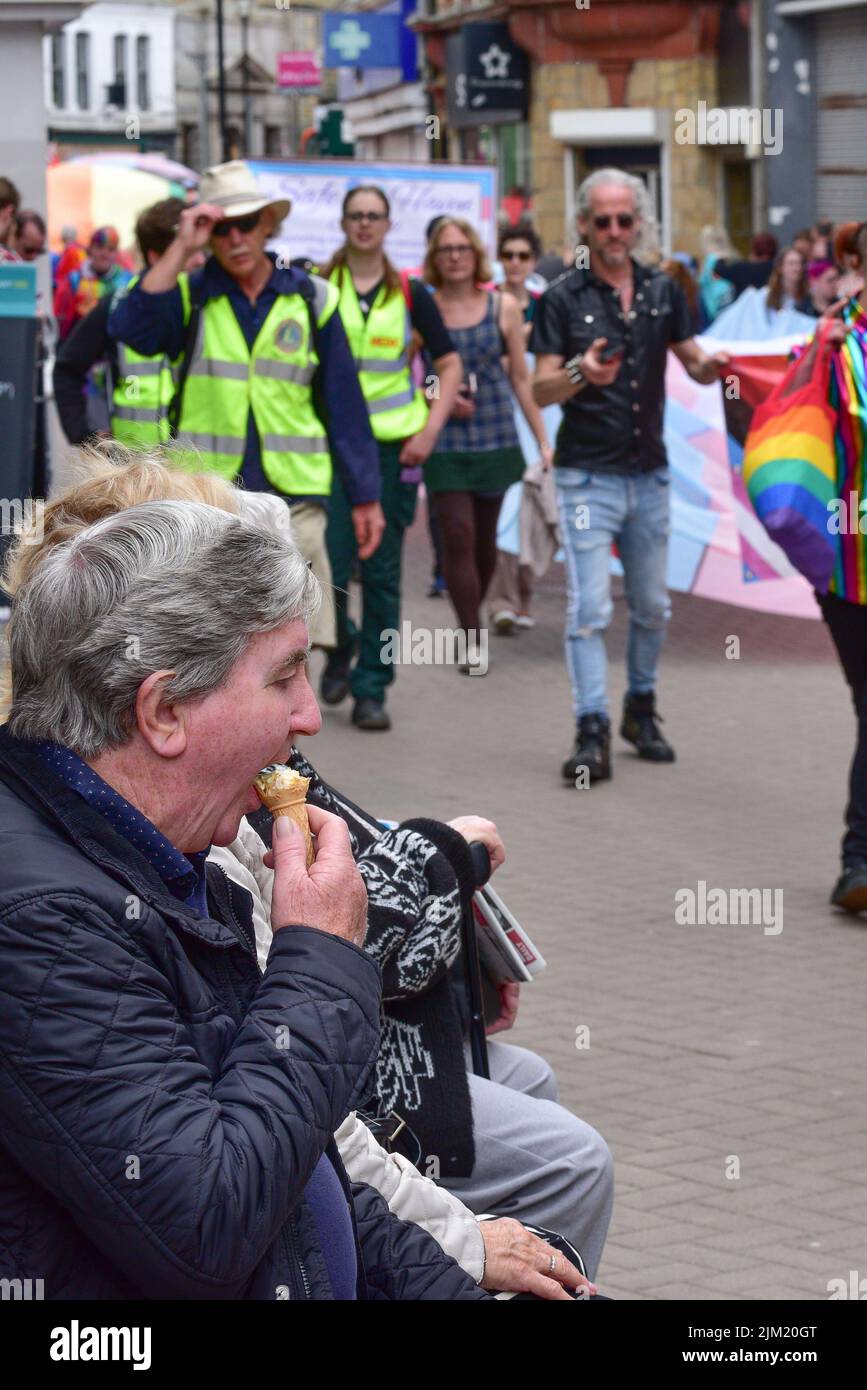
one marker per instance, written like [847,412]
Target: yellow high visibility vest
[380,346]
[144,389]
[225,380]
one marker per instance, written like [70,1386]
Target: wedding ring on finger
[553,1265]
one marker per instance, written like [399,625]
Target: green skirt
[485,470]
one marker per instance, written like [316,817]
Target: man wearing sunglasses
[601,337]
[268,394]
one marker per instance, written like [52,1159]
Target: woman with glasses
[387,320]
[519,253]
[478,455]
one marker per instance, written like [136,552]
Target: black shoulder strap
[174,410]
[307,290]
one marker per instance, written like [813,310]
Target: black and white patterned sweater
[419,879]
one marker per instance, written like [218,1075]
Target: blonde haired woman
[478,455]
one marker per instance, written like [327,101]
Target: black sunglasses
[242,224]
[624,220]
[366,216]
[516,255]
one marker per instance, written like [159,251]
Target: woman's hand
[509,992]
[850,285]
[475,828]
[546,455]
[516,1261]
[464,407]
[831,329]
[416,450]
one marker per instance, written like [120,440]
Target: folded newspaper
[505,950]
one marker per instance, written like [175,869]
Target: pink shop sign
[298,69]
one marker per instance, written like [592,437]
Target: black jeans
[847,623]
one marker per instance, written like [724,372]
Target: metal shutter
[841,114]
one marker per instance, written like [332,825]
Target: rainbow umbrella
[90,194]
[151,162]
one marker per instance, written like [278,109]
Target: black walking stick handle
[478,1043]
[481,862]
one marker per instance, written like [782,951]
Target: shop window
[82,71]
[58,70]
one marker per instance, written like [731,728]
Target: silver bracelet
[573,370]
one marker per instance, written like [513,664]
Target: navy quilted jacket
[156,1131]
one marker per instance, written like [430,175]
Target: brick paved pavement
[705,1041]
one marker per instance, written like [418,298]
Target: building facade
[816,61]
[617,82]
[109,78]
[262,119]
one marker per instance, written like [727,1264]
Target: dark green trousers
[380,577]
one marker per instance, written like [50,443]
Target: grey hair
[647,244]
[174,585]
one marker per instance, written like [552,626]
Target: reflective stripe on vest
[397,408]
[144,390]
[225,382]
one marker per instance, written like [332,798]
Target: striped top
[849,400]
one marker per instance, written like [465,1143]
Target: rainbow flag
[849,401]
[803,465]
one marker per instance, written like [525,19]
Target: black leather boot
[334,686]
[592,757]
[641,726]
[850,890]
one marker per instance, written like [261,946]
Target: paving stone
[704,1041]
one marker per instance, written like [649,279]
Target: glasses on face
[624,220]
[357,217]
[241,224]
[463,250]
[516,255]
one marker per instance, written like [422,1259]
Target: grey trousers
[535,1160]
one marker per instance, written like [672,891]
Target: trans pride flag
[718,548]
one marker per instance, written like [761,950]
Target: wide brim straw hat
[233,186]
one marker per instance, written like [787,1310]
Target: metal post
[221,82]
[245,89]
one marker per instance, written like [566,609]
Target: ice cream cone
[283,791]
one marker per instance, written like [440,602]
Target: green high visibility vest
[144,390]
[225,381]
[396,407]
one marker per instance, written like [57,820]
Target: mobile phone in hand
[611,350]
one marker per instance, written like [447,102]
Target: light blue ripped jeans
[595,510]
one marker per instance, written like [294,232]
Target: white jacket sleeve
[413,1197]
[242,860]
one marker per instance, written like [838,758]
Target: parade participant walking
[28,240]
[98,276]
[386,321]
[478,455]
[601,337]
[822,277]
[10,202]
[787,287]
[263,351]
[844,606]
[755,272]
[141,388]
[519,251]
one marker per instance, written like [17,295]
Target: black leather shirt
[616,428]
